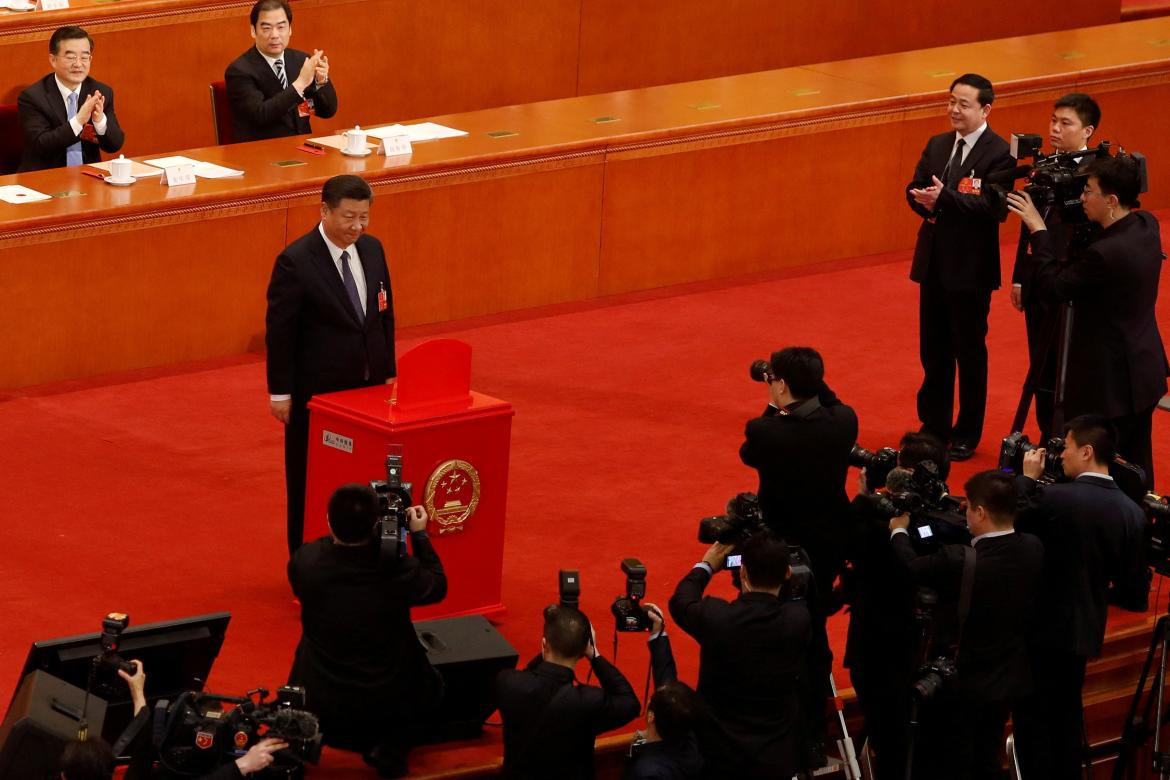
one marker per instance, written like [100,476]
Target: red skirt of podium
[454,445]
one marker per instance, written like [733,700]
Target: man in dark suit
[551,722]
[330,323]
[800,446]
[67,117]
[1117,363]
[956,264]
[964,732]
[752,655]
[365,674]
[1094,537]
[1075,117]
[272,89]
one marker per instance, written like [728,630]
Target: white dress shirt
[98,127]
[969,142]
[283,66]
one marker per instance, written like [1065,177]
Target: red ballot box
[454,445]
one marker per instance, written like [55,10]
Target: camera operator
[800,446]
[550,721]
[668,750]
[994,582]
[1117,364]
[1093,536]
[1075,117]
[880,644]
[367,677]
[752,655]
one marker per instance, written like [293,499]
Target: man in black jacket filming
[1094,537]
[551,722]
[752,655]
[367,677]
[994,582]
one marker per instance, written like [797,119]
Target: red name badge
[383,298]
[89,134]
[305,108]
[970,186]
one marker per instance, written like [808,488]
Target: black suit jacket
[261,108]
[316,344]
[958,243]
[751,657]
[1093,535]
[803,461]
[1117,362]
[359,656]
[550,722]
[993,658]
[47,132]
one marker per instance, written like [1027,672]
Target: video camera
[936,517]
[1157,509]
[1130,479]
[199,735]
[627,610]
[393,501]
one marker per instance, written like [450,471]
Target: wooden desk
[703,180]
[445,56]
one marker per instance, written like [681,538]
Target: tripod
[1058,325]
[1138,728]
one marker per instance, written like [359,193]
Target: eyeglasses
[73,58]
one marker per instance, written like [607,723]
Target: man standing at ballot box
[272,89]
[330,324]
[956,264]
[67,117]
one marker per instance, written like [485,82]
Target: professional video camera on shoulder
[1053,180]
[194,735]
[393,501]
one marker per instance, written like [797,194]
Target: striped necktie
[279,67]
[73,151]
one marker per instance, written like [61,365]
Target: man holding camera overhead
[751,657]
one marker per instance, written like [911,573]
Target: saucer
[119,182]
[348,153]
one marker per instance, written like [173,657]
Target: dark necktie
[279,66]
[351,287]
[954,169]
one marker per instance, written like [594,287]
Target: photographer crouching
[881,640]
[800,447]
[366,675]
[994,582]
[752,655]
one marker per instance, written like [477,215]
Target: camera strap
[965,588]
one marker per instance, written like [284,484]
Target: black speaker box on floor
[468,652]
[43,716]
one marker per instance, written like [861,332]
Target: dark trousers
[296,459]
[952,334]
[1042,352]
[1135,434]
[1049,724]
[883,694]
[961,739]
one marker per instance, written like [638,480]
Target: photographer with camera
[800,446]
[367,677]
[1075,117]
[880,644]
[551,721]
[1094,537]
[994,582]
[752,654]
[668,749]
[1116,360]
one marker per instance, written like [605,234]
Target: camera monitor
[177,655]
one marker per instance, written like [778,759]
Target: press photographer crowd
[966,613]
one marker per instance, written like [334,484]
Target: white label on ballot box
[395,146]
[180,174]
[54,5]
[337,441]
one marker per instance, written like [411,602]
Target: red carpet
[161,494]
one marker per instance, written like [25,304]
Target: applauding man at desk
[272,89]
[68,117]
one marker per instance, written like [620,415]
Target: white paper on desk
[206,170]
[18,5]
[423,131]
[170,162]
[137,170]
[17,193]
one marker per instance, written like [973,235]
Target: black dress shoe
[961,452]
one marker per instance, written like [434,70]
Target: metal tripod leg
[1137,729]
